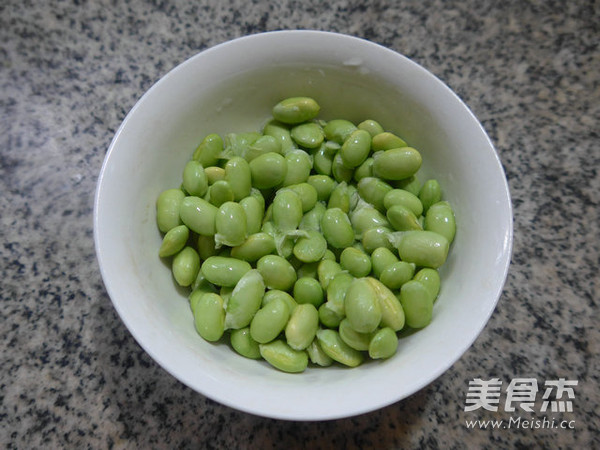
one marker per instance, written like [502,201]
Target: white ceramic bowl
[232,87]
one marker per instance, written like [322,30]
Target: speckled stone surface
[71,374]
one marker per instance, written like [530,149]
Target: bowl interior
[231,88]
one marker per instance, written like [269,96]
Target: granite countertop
[73,377]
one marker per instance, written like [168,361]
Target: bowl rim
[258,409]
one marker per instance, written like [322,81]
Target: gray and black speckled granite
[73,377]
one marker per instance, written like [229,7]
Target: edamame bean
[214,174]
[287,210]
[299,165]
[356,262]
[207,153]
[237,144]
[185,266]
[302,326]
[245,300]
[277,272]
[283,357]
[254,247]
[308,135]
[312,219]
[396,274]
[206,247]
[337,290]
[174,241]
[269,321]
[340,197]
[242,342]
[209,317]
[268,170]
[358,341]
[410,184]
[308,290]
[374,238]
[296,110]
[333,345]
[194,179]
[423,248]
[387,141]
[168,205]
[199,288]
[198,215]
[402,218]
[430,193]
[338,130]
[308,270]
[224,271]
[440,218]
[230,224]
[356,148]
[416,303]
[336,228]
[403,198]
[370,125]
[264,144]
[310,248]
[373,191]
[340,171]
[220,192]
[364,170]
[273,294]
[326,271]
[392,314]
[323,184]
[307,193]
[254,212]
[317,355]
[365,216]
[281,133]
[239,177]
[430,278]
[329,316]
[384,344]
[362,307]
[323,160]
[397,163]
[381,258]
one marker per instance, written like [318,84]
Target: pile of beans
[310,241]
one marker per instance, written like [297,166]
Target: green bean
[372,126]
[283,357]
[355,261]
[336,228]
[333,345]
[185,266]
[397,163]
[174,241]
[356,148]
[423,248]
[384,344]
[268,170]
[230,224]
[323,184]
[239,177]
[430,278]
[254,247]
[296,110]
[269,321]
[194,179]
[224,271]
[242,342]
[387,141]
[416,303]
[302,326]
[402,218]
[277,272]
[207,153]
[403,198]
[430,193]
[168,205]
[220,192]
[440,218]
[245,299]
[362,307]
[308,135]
[287,210]
[299,165]
[209,317]
[308,290]
[310,248]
